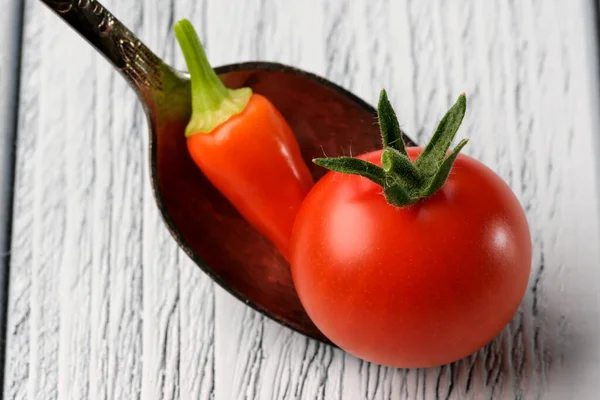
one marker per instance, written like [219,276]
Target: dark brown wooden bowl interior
[325,118]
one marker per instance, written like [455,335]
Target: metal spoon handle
[138,64]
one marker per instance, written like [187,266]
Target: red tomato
[414,286]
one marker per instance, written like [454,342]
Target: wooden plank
[196,291]
[178,299]
[161,316]
[21,325]
[104,305]
[10,53]
[10,35]
[95,298]
[256,358]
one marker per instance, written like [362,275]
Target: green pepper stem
[212,102]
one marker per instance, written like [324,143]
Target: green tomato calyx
[405,182]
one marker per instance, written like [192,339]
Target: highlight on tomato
[244,146]
[411,257]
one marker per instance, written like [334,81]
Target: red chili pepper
[244,146]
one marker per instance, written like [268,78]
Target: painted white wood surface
[103,305]
[10,27]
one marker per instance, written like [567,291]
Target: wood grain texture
[103,305]
[10,52]
[96,299]
[10,36]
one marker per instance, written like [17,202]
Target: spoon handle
[138,64]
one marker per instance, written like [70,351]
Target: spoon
[325,118]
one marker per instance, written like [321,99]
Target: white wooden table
[103,304]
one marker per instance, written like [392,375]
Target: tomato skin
[416,286]
[254,160]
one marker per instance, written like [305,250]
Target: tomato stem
[212,102]
[405,182]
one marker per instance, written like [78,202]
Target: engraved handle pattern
[140,66]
